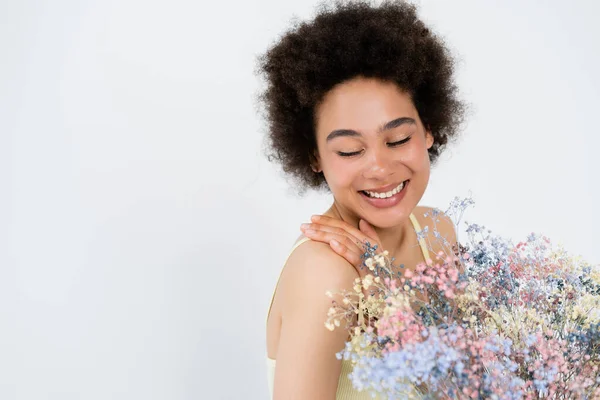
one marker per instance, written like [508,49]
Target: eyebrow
[387,126]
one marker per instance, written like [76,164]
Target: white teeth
[386,194]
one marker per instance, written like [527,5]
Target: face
[370,140]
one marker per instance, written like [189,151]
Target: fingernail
[335,243]
[315,217]
[309,232]
[304,226]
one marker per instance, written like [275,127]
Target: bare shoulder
[439,222]
[314,268]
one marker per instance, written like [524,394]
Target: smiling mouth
[385,195]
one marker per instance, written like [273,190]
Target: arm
[306,364]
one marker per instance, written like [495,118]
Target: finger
[333,230]
[344,245]
[336,223]
[348,253]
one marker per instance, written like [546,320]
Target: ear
[429,139]
[315,161]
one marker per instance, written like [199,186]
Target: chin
[383,221]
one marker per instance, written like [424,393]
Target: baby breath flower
[367,281]
[489,319]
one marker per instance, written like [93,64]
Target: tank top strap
[422,243]
[298,243]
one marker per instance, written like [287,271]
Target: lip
[386,188]
[387,202]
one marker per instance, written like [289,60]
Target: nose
[378,165]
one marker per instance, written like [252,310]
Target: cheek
[421,165]
[419,156]
[339,173]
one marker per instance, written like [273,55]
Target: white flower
[367,281]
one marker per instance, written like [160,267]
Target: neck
[392,239]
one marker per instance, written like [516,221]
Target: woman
[360,101]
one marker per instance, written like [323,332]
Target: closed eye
[354,153]
[392,144]
[400,142]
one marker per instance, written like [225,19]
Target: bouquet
[488,320]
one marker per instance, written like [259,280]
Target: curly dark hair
[346,40]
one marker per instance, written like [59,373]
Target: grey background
[142,230]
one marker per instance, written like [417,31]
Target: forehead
[363,104]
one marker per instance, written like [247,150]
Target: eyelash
[393,144]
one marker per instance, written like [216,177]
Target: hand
[344,239]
